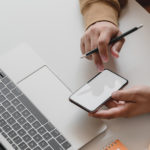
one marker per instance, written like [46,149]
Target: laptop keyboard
[22,124]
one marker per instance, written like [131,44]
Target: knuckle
[121,94]
[93,29]
[107,27]
[86,36]
[114,29]
[93,45]
[101,41]
[136,92]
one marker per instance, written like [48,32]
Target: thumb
[124,95]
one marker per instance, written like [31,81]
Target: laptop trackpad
[51,97]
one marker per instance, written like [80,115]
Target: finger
[116,47]
[98,62]
[115,112]
[111,104]
[96,58]
[103,42]
[94,39]
[82,46]
[124,95]
[87,43]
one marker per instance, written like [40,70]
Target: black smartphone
[98,90]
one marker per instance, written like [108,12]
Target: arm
[101,20]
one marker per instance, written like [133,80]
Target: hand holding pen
[101,37]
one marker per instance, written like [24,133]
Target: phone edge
[87,110]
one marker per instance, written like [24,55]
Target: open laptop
[35,112]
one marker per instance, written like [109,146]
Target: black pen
[114,40]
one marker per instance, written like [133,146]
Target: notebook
[116,145]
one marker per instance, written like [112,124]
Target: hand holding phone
[98,90]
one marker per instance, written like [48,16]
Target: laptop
[35,112]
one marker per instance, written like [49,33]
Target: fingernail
[121,102]
[105,59]
[100,68]
[116,53]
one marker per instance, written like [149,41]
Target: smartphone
[98,90]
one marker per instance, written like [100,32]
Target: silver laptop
[35,112]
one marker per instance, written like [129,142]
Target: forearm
[101,10]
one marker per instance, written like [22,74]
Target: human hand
[126,103]
[98,36]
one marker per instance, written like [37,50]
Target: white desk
[53,29]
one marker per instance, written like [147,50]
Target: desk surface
[53,29]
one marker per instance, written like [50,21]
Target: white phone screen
[98,90]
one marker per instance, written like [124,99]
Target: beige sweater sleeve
[100,10]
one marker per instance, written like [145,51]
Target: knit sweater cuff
[100,11]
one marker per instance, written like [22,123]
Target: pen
[114,40]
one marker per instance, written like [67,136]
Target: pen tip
[140,26]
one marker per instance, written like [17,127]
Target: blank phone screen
[98,90]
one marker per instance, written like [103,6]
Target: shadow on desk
[145,4]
